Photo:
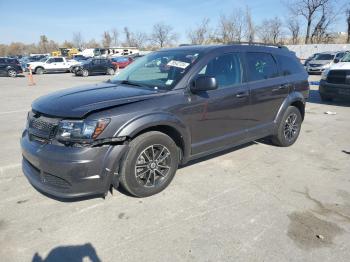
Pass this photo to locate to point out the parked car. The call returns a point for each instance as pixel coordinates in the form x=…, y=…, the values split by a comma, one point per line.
x=51, y=65
x=138, y=127
x=76, y=66
x=335, y=81
x=95, y=66
x=306, y=62
x=10, y=67
x=121, y=61
x=323, y=61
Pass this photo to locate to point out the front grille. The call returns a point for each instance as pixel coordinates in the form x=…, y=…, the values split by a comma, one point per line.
x=315, y=65
x=339, y=77
x=42, y=127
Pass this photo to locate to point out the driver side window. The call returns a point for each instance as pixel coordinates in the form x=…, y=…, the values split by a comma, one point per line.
x=226, y=69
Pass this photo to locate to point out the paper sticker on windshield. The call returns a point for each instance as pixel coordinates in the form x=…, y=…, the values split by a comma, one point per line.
x=169, y=82
x=178, y=64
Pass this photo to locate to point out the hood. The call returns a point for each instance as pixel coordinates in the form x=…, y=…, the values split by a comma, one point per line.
x=80, y=101
x=341, y=66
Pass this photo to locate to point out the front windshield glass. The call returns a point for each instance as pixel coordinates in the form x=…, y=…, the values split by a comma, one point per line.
x=346, y=58
x=161, y=69
x=324, y=57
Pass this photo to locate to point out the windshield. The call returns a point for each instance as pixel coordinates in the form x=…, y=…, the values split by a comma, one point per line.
x=162, y=69
x=324, y=57
x=346, y=58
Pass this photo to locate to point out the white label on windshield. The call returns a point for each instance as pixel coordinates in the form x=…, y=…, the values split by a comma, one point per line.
x=179, y=64
x=169, y=82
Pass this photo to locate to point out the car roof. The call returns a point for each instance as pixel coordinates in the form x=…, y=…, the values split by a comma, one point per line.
x=254, y=47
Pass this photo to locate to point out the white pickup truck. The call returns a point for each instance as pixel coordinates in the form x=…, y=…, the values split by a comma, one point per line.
x=52, y=64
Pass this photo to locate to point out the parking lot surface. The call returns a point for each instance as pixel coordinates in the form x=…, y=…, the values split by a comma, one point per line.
x=254, y=203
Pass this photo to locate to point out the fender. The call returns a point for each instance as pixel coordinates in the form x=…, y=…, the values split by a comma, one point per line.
x=290, y=99
x=138, y=124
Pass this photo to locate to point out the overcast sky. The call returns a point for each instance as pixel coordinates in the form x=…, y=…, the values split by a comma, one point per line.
x=25, y=21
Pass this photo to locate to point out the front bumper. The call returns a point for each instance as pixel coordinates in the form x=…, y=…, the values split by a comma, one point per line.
x=70, y=172
x=315, y=69
x=334, y=90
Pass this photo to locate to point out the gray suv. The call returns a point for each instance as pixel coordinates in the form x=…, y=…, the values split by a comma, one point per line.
x=323, y=61
x=137, y=128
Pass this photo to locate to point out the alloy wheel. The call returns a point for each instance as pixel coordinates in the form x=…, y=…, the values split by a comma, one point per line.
x=153, y=166
x=291, y=127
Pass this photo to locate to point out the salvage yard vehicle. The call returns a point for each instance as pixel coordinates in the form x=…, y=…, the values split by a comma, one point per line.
x=95, y=66
x=121, y=61
x=335, y=82
x=136, y=129
x=10, y=67
x=323, y=61
x=51, y=64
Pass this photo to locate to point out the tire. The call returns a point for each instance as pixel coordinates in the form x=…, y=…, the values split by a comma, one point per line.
x=325, y=98
x=110, y=71
x=12, y=73
x=85, y=73
x=39, y=71
x=150, y=177
x=288, y=128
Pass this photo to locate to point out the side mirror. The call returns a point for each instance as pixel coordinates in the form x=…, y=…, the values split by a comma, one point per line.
x=204, y=83
x=336, y=60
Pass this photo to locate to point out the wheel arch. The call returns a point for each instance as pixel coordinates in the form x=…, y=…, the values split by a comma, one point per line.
x=165, y=123
x=293, y=99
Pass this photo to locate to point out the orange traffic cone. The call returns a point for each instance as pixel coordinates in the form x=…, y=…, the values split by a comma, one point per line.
x=30, y=77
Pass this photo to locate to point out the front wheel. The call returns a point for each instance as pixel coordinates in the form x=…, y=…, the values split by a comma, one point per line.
x=85, y=73
x=110, y=71
x=11, y=73
x=150, y=164
x=289, y=128
x=39, y=71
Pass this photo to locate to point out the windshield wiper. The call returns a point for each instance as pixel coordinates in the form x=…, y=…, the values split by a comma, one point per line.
x=127, y=82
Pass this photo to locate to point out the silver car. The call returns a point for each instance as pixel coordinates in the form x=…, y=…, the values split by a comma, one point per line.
x=323, y=61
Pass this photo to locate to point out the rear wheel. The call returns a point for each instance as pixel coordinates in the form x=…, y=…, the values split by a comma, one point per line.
x=85, y=73
x=12, y=73
x=110, y=71
x=39, y=71
x=289, y=128
x=150, y=164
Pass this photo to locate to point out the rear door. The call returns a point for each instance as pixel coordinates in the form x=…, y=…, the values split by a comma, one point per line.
x=2, y=66
x=60, y=64
x=268, y=89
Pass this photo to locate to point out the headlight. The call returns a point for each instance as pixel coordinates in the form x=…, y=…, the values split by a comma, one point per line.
x=326, y=66
x=325, y=74
x=78, y=130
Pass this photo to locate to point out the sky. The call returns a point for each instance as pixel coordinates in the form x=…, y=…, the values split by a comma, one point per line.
x=25, y=21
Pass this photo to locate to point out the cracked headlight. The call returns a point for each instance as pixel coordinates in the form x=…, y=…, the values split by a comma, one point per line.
x=79, y=130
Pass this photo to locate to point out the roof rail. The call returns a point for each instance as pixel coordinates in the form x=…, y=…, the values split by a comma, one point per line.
x=258, y=43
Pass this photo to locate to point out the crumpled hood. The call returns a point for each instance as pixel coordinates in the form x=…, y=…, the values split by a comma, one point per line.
x=80, y=101
x=341, y=66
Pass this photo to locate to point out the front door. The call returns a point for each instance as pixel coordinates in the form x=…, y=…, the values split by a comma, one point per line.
x=218, y=117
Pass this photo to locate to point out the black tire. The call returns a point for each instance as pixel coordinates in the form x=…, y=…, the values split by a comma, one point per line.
x=39, y=71
x=325, y=97
x=110, y=71
x=11, y=73
x=288, y=129
x=145, y=180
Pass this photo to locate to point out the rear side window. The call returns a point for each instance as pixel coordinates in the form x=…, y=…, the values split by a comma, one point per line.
x=288, y=65
x=226, y=69
x=2, y=61
x=59, y=60
x=261, y=66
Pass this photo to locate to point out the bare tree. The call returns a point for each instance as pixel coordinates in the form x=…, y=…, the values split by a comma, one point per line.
x=231, y=28
x=163, y=35
x=92, y=44
x=201, y=34
x=128, y=37
x=43, y=44
x=106, y=39
x=271, y=30
x=250, y=27
x=115, y=35
x=320, y=31
x=309, y=10
x=348, y=23
x=139, y=39
x=78, y=40
x=294, y=28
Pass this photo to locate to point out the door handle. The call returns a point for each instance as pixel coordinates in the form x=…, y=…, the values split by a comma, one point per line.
x=281, y=87
x=242, y=94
